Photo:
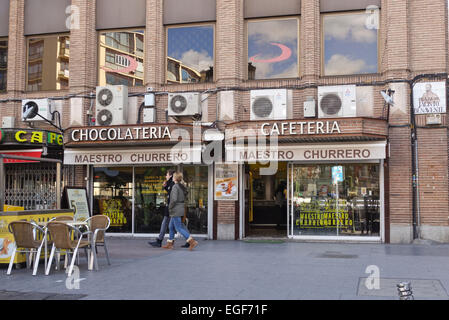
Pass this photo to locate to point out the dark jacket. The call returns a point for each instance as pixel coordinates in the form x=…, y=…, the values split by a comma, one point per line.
x=168, y=186
x=177, y=200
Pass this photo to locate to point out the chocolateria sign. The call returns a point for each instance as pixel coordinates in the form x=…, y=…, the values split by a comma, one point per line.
x=120, y=134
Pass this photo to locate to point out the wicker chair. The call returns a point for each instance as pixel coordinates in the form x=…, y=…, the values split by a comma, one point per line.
x=61, y=238
x=98, y=225
x=62, y=218
x=25, y=237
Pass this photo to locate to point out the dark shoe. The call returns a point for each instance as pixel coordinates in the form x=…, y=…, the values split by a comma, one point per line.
x=156, y=244
x=186, y=245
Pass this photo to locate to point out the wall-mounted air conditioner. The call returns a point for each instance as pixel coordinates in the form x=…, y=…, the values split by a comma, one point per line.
x=269, y=104
x=31, y=108
x=184, y=104
x=337, y=101
x=111, y=105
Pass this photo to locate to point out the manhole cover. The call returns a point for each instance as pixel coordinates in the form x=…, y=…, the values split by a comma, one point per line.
x=422, y=288
x=337, y=255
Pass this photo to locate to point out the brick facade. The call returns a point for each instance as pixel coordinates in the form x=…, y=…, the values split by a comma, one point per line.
x=413, y=40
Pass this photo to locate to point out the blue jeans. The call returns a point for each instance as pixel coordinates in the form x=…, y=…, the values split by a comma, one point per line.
x=164, y=225
x=177, y=225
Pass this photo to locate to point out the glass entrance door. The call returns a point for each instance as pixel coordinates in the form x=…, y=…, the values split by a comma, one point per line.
x=317, y=207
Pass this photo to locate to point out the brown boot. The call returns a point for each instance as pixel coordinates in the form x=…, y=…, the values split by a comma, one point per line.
x=192, y=242
x=169, y=244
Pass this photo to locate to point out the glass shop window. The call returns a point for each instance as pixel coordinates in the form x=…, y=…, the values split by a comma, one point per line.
x=196, y=180
x=273, y=49
x=3, y=63
x=190, y=54
x=121, y=58
x=350, y=44
x=315, y=207
x=150, y=198
x=113, y=189
x=48, y=63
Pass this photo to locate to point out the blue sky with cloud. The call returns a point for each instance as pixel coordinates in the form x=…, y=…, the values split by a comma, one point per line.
x=260, y=36
x=194, y=46
x=349, y=46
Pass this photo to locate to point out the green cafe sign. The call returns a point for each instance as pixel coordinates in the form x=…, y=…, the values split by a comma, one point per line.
x=31, y=137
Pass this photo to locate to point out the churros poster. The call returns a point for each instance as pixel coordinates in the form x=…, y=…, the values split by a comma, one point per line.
x=226, y=181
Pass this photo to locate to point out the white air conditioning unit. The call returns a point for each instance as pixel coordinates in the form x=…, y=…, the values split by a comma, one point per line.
x=31, y=109
x=337, y=101
x=111, y=105
x=184, y=104
x=269, y=104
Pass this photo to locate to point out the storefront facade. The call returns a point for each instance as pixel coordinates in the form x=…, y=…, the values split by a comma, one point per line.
x=29, y=184
x=126, y=184
x=228, y=54
x=287, y=189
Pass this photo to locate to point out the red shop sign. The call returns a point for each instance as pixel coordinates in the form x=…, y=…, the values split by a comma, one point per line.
x=32, y=154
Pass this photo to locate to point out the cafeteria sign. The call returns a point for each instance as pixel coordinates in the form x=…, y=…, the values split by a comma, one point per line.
x=226, y=181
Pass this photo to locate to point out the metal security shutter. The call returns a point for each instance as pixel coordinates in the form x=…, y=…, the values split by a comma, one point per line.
x=270, y=8
x=31, y=185
x=114, y=14
x=186, y=11
x=346, y=5
x=46, y=16
x=4, y=18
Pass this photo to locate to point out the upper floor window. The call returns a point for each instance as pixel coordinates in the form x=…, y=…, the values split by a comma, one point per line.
x=273, y=48
x=350, y=44
x=48, y=63
x=190, y=54
x=3, y=63
x=121, y=58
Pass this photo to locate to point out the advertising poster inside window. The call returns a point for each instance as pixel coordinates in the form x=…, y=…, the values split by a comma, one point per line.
x=226, y=182
x=429, y=97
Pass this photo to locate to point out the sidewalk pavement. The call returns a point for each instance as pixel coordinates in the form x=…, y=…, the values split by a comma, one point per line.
x=243, y=270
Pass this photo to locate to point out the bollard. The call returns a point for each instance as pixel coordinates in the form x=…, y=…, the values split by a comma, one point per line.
x=405, y=291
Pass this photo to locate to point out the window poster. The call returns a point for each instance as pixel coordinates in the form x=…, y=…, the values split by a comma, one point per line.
x=77, y=200
x=226, y=181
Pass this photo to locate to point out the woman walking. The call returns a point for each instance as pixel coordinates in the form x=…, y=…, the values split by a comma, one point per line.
x=176, y=210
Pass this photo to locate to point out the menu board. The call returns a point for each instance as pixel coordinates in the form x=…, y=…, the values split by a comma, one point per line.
x=76, y=199
x=226, y=182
